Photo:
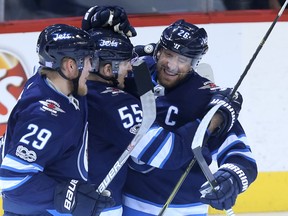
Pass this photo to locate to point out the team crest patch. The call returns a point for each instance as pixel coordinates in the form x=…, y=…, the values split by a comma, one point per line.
x=209, y=85
x=113, y=91
x=51, y=106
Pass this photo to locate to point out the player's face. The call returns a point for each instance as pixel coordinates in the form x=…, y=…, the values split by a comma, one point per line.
x=82, y=88
x=124, y=68
x=172, y=68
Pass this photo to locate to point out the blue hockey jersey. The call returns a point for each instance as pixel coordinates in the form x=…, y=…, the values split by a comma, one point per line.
x=44, y=145
x=114, y=117
x=149, y=183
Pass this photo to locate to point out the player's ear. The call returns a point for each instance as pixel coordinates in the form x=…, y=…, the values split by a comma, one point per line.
x=107, y=70
x=68, y=67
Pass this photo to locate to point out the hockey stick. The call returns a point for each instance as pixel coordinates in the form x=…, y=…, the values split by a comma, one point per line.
x=206, y=71
x=202, y=125
x=197, y=150
x=200, y=133
x=191, y=164
x=259, y=47
x=145, y=90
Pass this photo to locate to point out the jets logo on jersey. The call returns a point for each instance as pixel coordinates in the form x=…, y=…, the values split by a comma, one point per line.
x=51, y=106
x=209, y=85
x=113, y=91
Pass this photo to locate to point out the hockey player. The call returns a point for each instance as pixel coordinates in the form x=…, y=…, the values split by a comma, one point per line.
x=183, y=96
x=44, y=161
x=108, y=135
x=114, y=116
x=168, y=145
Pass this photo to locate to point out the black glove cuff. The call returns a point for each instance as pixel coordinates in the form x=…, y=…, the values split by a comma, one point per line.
x=65, y=196
x=79, y=198
x=239, y=175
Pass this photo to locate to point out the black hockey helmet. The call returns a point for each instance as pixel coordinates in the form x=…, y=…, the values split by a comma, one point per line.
x=60, y=40
x=112, y=46
x=185, y=39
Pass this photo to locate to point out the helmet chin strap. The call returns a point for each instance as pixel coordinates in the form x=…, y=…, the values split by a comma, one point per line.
x=111, y=79
x=76, y=84
x=75, y=81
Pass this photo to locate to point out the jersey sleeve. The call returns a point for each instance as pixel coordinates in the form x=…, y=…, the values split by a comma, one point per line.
x=233, y=148
x=33, y=144
x=164, y=148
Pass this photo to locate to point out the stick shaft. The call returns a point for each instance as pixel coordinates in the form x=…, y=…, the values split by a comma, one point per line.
x=145, y=89
x=259, y=48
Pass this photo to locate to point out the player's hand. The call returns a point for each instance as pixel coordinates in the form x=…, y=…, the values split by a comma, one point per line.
x=231, y=181
x=78, y=198
x=108, y=16
x=230, y=108
x=224, y=196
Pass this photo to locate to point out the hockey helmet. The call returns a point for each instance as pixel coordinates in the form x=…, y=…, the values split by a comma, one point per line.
x=112, y=46
x=185, y=39
x=60, y=40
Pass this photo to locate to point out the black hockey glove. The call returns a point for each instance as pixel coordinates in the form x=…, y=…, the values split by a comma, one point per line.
x=231, y=181
x=230, y=108
x=78, y=198
x=108, y=16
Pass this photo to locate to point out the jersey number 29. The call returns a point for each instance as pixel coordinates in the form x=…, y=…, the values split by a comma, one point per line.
x=42, y=136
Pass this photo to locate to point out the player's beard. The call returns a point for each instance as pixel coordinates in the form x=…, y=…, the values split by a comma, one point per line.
x=82, y=86
x=169, y=80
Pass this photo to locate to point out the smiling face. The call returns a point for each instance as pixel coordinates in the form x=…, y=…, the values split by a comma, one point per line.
x=172, y=67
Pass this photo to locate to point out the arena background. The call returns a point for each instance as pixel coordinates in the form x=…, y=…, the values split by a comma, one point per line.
x=233, y=38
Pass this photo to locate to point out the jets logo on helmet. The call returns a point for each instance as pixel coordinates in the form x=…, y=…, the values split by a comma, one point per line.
x=62, y=36
x=108, y=43
x=112, y=46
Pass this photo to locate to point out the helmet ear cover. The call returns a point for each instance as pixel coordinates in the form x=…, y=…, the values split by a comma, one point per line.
x=185, y=39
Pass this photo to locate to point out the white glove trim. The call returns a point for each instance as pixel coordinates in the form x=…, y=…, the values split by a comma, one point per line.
x=239, y=172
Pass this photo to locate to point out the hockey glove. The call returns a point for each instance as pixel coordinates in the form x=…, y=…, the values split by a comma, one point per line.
x=108, y=16
x=78, y=198
x=229, y=110
x=231, y=181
